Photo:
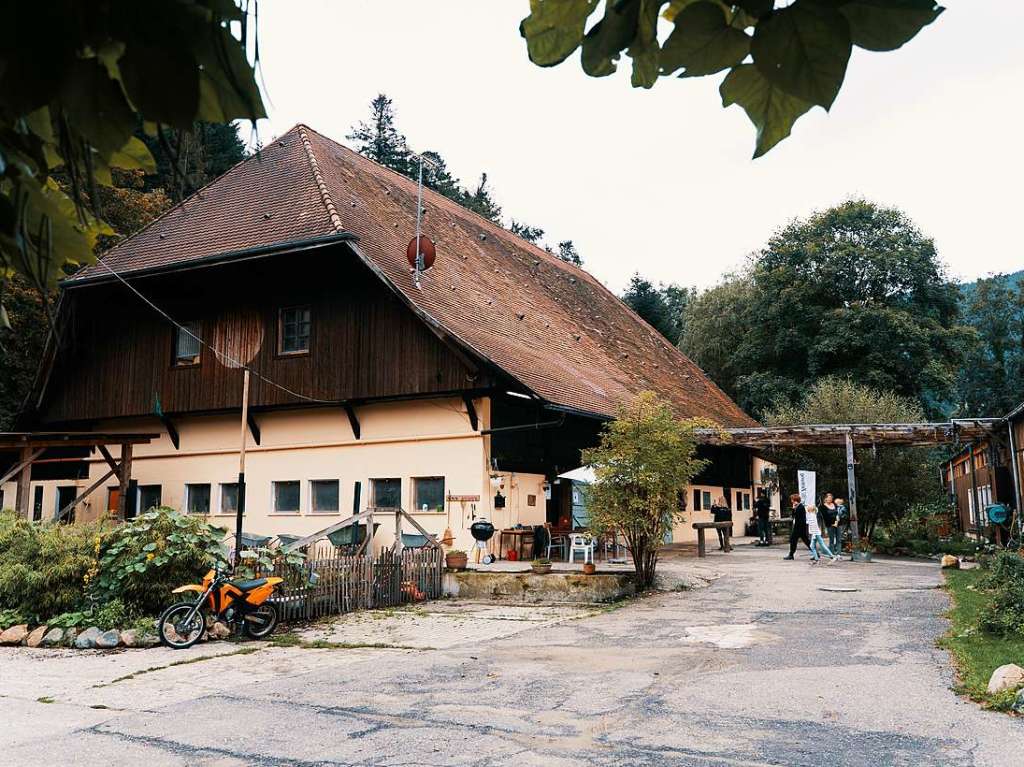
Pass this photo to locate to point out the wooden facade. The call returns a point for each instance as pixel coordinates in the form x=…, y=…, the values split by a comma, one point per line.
x=117, y=355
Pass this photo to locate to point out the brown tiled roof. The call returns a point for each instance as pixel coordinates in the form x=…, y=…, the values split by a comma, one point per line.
x=547, y=323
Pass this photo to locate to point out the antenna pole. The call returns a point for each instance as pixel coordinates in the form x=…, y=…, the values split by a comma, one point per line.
x=419, y=215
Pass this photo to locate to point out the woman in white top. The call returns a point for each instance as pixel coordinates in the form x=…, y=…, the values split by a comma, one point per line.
x=814, y=531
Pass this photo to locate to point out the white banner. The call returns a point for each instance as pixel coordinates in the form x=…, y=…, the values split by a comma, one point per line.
x=806, y=481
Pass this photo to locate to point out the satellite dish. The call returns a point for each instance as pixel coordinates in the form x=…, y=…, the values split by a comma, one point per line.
x=426, y=250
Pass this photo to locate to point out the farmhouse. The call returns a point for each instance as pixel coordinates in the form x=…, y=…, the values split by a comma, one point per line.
x=463, y=396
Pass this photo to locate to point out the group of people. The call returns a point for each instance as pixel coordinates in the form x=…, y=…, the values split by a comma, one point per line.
x=833, y=513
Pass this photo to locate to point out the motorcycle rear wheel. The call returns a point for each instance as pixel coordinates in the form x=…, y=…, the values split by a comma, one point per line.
x=172, y=631
x=261, y=622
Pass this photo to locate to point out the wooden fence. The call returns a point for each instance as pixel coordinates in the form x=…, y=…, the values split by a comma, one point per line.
x=340, y=584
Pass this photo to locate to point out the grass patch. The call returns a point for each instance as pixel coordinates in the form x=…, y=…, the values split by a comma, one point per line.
x=185, y=662
x=976, y=654
x=45, y=699
x=294, y=640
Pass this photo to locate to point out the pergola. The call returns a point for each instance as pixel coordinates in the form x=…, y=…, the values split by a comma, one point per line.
x=848, y=435
x=31, y=447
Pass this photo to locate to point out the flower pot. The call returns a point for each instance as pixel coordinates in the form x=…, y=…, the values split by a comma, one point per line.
x=541, y=569
x=589, y=568
x=456, y=561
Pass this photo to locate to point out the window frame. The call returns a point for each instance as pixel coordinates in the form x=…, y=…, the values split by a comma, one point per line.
x=273, y=497
x=312, y=497
x=196, y=327
x=220, y=499
x=188, y=498
x=373, y=491
x=38, y=497
x=415, y=487
x=281, y=352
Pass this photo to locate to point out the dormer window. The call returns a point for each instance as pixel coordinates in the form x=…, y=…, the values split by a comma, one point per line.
x=186, y=344
x=294, y=324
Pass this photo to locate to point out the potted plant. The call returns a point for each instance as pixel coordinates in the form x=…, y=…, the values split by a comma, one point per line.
x=862, y=551
x=541, y=566
x=589, y=568
x=456, y=559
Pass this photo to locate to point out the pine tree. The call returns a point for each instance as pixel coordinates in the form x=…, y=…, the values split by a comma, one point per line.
x=378, y=138
x=567, y=252
x=480, y=201
x=526, y=232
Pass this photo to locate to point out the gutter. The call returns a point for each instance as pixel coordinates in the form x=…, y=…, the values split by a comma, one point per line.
x=260, y=251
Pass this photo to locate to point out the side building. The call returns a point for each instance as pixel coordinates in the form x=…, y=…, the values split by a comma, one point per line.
x=460, y=396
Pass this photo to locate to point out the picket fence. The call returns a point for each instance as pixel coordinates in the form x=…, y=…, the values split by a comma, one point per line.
x=335, y=585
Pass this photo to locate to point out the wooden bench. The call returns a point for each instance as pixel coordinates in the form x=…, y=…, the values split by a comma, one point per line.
x=700, y=527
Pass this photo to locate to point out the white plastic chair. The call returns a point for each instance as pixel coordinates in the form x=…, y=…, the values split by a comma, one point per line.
x=583, y=544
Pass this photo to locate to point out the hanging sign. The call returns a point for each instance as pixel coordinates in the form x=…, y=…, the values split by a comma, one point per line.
x=807, y=481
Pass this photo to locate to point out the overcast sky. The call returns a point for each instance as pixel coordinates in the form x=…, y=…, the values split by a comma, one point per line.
x=660, y=181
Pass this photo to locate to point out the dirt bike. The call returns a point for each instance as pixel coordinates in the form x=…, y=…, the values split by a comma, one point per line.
x=241, y=604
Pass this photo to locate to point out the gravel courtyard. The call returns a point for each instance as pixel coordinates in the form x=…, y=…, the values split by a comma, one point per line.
x=761, y=667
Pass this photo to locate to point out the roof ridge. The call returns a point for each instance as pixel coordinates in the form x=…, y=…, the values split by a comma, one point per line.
x=325, y=195
x=560, y=262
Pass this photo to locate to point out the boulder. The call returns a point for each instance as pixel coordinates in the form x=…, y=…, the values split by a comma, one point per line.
x=87, y=639
x=36, y=637
x=950, y=562
x=108, y=639
x=219, y=631
x=133, y=638
x=53, y=637
x=14, y=635
x=69, y=637
x=1005, y=678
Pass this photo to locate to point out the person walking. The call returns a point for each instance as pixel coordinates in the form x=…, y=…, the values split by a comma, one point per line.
x=799, y=531
x=763, y=510
x=830, y=516
x=816, y=540
x=720, y=512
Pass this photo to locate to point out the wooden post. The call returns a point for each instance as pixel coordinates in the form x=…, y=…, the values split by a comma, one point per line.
x=398, y=532
x=240, y=511
x=1015, y=469
x=23, y=498
x=370, y=586
x=851, y=482
x=974, y=491
x=124, y=476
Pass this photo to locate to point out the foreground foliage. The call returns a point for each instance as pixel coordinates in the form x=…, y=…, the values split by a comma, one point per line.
x=643, y=464
x=781, y=59
x=976, y=652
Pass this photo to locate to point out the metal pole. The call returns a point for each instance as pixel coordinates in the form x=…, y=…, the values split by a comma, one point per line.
x=1015, y=463
x=851, y=481
x=241, y=468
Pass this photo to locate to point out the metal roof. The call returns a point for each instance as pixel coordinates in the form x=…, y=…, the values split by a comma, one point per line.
x=812, y=435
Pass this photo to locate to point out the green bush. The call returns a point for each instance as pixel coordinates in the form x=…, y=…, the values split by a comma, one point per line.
x=44, y=568
x=1004, y=581
x=143, y=560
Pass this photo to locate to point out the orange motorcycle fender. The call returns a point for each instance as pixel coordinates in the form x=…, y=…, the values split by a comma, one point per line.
x=190, y=587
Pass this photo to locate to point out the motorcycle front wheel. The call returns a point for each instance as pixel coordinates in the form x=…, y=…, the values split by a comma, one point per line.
x=175, y=628
x=259, y=623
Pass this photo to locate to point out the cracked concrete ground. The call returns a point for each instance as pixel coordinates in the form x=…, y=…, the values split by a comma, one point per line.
x=762, y=667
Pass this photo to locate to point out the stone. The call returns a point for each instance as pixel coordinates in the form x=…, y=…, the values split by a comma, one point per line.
x=1018, y=705
x=87, y=639
x=14, y=635
x=1005, y=678
x=69, y=637
x=950, y=562
x=133, y=638
x=108, y=639
x=36, y=637
x=53, y=637
x=219, y=631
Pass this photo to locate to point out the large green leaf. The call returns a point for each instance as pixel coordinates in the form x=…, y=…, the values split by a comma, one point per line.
x=95, y=106
x=703, y=42
x=554, y=29
x=227, y=80
x=604, y=43
x=772, y=111
x=162, y=80
x=645, y=50
x=756, y=8
x=884, y=25
x=134, y=155
x=804, y=49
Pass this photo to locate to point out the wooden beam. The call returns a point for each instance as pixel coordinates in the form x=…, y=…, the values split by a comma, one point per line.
x=471, y=410
x=110, y=459
x=254, y=428
x=24, y=483
x=64, y=512
x=172, y=432
x=352, y=419
x=21, y=464
x=432, y=540
x=325, y=532
x=124, y=476
x=851, y=481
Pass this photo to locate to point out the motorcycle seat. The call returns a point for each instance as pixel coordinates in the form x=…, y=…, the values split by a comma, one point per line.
x=248, y=585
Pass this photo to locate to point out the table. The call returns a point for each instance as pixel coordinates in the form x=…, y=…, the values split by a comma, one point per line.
x=700, y=527
x=520, y=537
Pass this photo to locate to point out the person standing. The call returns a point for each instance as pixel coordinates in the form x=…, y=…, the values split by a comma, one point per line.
x=720, y=512
x=816, y=540
x=842, y=520
x=799, y=531
x=830, y=516
x=763, y=510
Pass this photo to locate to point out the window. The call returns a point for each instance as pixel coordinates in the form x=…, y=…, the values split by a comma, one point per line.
x=149, y=497
x=65, y=495
x=197, y=499
x=37, y=503
x=739, y=501
x=286, y=497
x=186, y=344
x=228, y=497
x=746, y=501
x=323, y=496
x=428, y=494
x=387, y=493
x=696, y=500
x=1, y=498
x=706, y=499
x=293, y=330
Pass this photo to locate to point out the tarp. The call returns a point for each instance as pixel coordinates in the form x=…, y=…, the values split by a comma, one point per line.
x=582, y=474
